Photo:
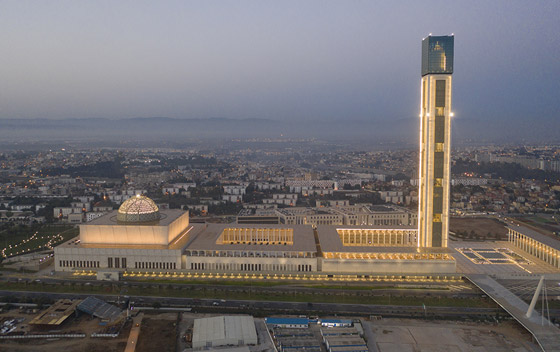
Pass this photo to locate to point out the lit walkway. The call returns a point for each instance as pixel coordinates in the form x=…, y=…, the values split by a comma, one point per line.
x=134, y=333
x=547, y=336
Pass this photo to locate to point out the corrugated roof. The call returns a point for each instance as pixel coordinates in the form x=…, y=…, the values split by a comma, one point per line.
x=99, y=308
x=231, y=328
x=286, y=321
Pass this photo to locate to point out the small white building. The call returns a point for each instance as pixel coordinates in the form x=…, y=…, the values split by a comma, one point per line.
x=235, y=189
x=232, y=198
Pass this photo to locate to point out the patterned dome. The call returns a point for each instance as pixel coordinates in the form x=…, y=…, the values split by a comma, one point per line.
x=138, y=209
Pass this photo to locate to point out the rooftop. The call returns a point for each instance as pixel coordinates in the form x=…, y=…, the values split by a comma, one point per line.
x=331, y=242
x=224, y=328
x=205, y=237
x=166, y=217
x=287, y=321
x=544, y=239
x=57, y=313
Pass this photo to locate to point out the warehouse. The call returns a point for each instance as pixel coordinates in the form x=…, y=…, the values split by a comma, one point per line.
x=224, y=331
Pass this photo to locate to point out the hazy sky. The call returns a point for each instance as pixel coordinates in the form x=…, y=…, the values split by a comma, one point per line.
x=319, y=60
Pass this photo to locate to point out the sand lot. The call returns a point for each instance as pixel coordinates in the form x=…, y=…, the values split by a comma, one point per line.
x=402, y=335
x=481, y=226
x=82, y=324
x=158, y=333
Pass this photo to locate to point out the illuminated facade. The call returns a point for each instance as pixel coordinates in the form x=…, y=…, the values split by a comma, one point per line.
x=545, y=248
x=138, y=235
x=435, y=141
x=172, y=244
x=141, y=239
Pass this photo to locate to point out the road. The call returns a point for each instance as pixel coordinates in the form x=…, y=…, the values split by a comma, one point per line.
x=280, y=307
x=439, y=288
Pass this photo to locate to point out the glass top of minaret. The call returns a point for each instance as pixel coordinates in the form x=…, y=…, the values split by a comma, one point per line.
x=437, y=55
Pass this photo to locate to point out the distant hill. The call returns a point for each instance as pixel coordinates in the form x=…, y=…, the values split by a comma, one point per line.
x=163, y=129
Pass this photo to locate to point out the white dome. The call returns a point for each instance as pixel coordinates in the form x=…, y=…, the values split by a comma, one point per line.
x=138, y=209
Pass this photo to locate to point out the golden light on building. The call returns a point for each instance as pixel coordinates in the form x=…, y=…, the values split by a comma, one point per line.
x=435, y=141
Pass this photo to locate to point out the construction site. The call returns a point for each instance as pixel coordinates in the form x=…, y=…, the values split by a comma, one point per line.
x=80, y=324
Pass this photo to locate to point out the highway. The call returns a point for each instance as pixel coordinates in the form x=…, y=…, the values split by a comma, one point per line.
x=280, y=307
x=400, y=288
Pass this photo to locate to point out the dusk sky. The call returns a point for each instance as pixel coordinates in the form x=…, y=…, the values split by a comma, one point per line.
x=282, y=60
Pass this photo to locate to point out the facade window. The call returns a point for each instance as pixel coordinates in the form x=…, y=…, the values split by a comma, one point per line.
x=109, y=262
x=123, y=263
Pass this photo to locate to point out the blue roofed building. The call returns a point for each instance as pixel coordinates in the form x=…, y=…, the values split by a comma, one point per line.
x=296, y=323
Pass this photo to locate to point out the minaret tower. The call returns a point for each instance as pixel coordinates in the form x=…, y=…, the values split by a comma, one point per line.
x=435, y=141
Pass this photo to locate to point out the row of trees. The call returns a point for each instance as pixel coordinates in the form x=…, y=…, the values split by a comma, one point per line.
x=506, y=171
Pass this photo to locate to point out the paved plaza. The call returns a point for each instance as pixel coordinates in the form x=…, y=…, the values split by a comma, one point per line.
x=497, y=258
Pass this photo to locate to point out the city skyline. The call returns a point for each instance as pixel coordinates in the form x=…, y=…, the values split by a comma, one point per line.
x=268, y=176
x=280, y=62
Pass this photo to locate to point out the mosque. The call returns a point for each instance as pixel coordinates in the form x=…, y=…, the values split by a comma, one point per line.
x=140, y=238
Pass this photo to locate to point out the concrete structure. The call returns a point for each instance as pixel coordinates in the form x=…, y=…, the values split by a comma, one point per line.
x=111, y=241
x=234, y=198
x=376, y=215
x=235, y=189
x=469, y=181
x=108, y=246
x=224, y=331
x=56, y=314
x=343, y=214
x=251, y=248
x=345, y=343
x=345, y=339
x=543, y=247
x=546, y=334
x=435, y=140
x=258, y=216
x=309, y=216
x=369, y=250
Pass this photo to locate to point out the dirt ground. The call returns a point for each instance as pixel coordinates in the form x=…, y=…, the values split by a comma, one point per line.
x=82, y=324
x=481, y=226
x=158, y=333
x=414, y=335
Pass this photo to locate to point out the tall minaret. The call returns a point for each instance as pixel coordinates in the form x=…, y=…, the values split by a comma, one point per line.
x=435, y=141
